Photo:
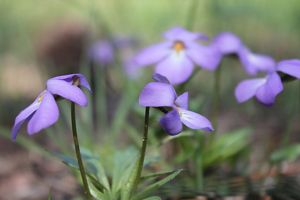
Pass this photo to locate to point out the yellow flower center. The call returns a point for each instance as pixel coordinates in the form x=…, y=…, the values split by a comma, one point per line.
x=178, y=46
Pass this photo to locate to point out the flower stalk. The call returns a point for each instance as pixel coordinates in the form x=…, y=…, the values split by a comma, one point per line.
x=78, y=154
x=137, y=170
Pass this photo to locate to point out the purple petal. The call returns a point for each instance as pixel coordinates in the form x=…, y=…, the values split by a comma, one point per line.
x=267, y=93
x=160, y=78
x=153, y=54
x=177, y=67
x=69, y=78
x=171, y=123
x=247, y=89
x=227, y=43
x=67, y=91
x=179, y=33
x=194, y=120
x=157, y=94
x=290, y=67
x=182, y=101
x=23, y=116
x=255, y=63
x=45, y=116
x=208, y=57
x=102, y=52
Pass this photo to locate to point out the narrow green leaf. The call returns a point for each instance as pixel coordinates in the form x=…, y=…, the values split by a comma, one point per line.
x=153, y=198
x=289, y=153
x=148, y=190
x=154, y=175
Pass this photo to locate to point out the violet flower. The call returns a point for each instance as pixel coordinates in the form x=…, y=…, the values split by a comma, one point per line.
x=102, y=52
x=66, y=86
x=41, y=114
x=266, y=89
x=162, y=94
x=175, y=58
x=228, y=43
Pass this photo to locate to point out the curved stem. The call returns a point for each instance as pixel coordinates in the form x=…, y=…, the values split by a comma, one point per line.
x=78, y=154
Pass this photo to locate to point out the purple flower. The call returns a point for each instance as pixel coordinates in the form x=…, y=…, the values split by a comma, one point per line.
x=266, y=89
x=175, y=58
x=228, y=43
x=102, y=52
x=41, y=114
x=66, y=86
x=162, y=94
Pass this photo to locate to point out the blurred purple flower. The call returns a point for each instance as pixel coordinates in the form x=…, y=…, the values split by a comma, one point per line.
x=162, y=94
x=266, y=89
x=41, y=114
x=228, y=43
x=102, y=52
x=67, y=86
x=175, y=58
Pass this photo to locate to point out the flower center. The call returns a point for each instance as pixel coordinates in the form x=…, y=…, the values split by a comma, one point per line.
x=40, y=98
x=178, y=46
x=76, y=81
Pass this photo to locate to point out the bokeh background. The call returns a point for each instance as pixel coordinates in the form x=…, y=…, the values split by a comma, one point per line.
x=40, y=39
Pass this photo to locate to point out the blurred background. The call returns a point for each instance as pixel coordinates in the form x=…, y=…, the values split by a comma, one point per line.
x=41, y=39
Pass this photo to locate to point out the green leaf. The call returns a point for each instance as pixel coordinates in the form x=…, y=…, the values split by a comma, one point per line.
x=225, y=147
x=155, y=175
x=289, y=153
x=153, y=198
x=149, y=189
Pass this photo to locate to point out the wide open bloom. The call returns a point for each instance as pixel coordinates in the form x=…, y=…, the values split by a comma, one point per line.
x=162, y=94
x=266, y=89
x=175, y=58
x=67, y=86
x=41, y=114
x=228, y=43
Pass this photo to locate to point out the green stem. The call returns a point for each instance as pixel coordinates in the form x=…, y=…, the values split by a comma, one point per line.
x=191, y=14
x=78, y=154
x=217, y=90
x=199, y=165
x=137, y=171
x=143, y=149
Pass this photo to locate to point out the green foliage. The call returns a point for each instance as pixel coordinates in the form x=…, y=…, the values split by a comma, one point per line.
x=288, y=153
x=225, y=147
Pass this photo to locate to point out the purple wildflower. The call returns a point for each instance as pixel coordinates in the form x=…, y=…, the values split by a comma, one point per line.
x=162, y=94
x=266, y=89
x=41, y=114
x=102, y=52
x=228, y=43
x=175, y=58
x=66, y=86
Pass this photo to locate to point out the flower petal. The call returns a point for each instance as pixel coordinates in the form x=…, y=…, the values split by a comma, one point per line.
x=227, y=43
x=207, y=57
x=160, y=78
x=153, y=54
x=157, y=94
x=194, y=120
x=247, y=89
x=290, y=67
x=267, y=93
x=179, y=33
x=177, y=67
x=255, y=63
x=171, y=123
x=69, y=78
x=182, y=101
x=22, y=117
x=67, y=91
x=46, y=115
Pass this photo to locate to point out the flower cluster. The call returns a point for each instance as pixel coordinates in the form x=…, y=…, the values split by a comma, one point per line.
x=43, y=112
x=176, y=57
